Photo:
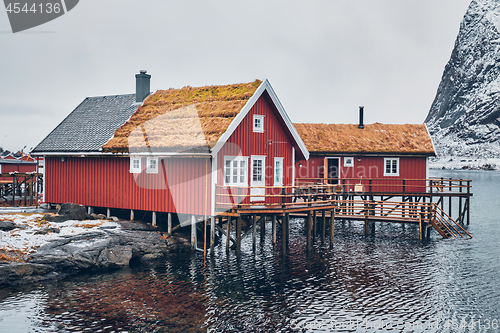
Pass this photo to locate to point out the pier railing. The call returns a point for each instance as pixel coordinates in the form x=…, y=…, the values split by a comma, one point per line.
x=396, y=185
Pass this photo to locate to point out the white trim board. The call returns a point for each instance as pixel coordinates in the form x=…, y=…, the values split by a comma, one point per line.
x=264, y=86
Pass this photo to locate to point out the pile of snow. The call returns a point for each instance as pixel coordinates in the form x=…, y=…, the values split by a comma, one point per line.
x=26, y=241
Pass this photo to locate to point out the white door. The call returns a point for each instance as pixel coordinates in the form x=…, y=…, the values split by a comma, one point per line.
x=258, y=177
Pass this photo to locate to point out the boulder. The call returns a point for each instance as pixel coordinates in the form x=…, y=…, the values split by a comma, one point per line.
x=47, y=231
x=69, y=211
x=8, y=225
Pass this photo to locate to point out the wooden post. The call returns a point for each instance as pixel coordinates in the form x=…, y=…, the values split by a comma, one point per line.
x=323, y=225
x=169, y=224
x=467, y=202
x=332, y=227
x=315, y=222
x=420, y=227
x=262, y=228
x=238, y=233
x=283, y=236
x=193, y=232
x=153, y=219
x=274, y=229
x=108, y=213
x=212, y=231
x=254, y=230
x=428, y=232
x=287, y=223
x=131, y=215
x=367, y=229
x=228, y=232
x=309, y=230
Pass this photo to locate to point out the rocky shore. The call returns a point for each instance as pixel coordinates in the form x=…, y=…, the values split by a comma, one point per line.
x=40, y=250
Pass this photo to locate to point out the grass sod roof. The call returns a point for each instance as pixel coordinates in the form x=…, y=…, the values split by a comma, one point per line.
x=182, y=120
x=374, y=138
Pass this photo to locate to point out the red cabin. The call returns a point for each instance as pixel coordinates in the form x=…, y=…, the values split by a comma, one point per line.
x=21, y=164
x=176, y=150
x=374, y=158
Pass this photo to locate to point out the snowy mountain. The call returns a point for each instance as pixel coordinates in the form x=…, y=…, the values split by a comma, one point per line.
x=464, y=119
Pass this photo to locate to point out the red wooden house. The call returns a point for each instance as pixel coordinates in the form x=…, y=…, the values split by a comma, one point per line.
x=20, y=164
x=172, y=151
x=377, y=158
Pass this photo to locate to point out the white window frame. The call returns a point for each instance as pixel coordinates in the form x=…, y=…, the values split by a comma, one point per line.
x=136, y=169
x=257, y=129
x=149, y=169
x=280, y=181
x=239, y=159
x=349, y=162
x=391, y=174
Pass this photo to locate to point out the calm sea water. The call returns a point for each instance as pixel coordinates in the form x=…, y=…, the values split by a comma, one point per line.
x=390, y=282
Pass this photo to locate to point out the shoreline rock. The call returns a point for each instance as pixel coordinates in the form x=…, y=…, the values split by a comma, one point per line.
x=96, y=250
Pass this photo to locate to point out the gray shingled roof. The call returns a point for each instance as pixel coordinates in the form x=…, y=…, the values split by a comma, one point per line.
x=90, y=125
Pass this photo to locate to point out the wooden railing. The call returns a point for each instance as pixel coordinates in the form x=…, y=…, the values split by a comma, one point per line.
x=396, y=185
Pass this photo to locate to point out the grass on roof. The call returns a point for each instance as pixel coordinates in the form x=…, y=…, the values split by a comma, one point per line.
x=348, y=138
x=201, y=116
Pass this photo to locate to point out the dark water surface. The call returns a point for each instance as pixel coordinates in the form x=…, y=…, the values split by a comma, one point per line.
x=362, y=284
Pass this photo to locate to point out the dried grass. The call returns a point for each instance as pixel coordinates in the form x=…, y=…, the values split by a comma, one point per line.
x=187, y=119
x=374, y=138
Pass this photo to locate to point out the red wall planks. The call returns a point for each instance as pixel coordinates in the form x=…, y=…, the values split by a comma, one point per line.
x=412, y=169
x=275, y=141
x=180, y=186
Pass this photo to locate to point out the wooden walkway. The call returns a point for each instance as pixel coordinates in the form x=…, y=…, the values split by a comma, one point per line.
x=322, y=202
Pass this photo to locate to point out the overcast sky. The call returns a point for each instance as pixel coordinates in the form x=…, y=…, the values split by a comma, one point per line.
x=323, y=58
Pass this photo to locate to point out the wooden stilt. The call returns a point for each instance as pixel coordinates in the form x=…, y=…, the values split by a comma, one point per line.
x=254, y=230
x=131, y=215
x=238, y=233
x=193, y=232
x=153, y=219
x=467, y=202
x=428, y=232
x=373, y=228
x=90, y=210
x=108, y=213
x=228, y=232
x=309, y=230
x=287, y=233
x=323, y=226
x=283, y=236
x=169, y=224
x=262, y=229
x=332, y=227
x=421, y=227
x=212, y=232
x=315, y=222
x=274, y=229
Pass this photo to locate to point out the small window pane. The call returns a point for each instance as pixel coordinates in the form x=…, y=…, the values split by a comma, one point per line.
x=242, y=172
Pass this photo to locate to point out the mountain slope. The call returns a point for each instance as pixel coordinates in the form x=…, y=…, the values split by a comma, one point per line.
x=464, y=119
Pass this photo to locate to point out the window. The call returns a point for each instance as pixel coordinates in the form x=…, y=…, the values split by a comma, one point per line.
x=257, y=170
x=135, y=165
x=235, y=171
x=391, y=167
x=258, y=123
x=348, y=161
x=278, y=171
x=152, y=165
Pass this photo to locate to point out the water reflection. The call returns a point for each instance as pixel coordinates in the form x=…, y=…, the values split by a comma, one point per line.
x=389, y=278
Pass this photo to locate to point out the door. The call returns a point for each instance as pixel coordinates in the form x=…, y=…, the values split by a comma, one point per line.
x=333, y=170
x=258, y=177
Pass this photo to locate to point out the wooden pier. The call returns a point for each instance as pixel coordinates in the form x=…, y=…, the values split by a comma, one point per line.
x=322, y=201
x=20, y=189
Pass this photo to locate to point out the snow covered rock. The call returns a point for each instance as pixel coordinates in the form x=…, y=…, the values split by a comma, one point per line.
x=464, y=119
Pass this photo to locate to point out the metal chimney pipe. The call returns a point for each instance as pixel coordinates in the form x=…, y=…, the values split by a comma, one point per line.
x=361, y=111
x=142, y=86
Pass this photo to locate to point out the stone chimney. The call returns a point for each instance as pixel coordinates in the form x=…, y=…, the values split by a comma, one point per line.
x=142, y=86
